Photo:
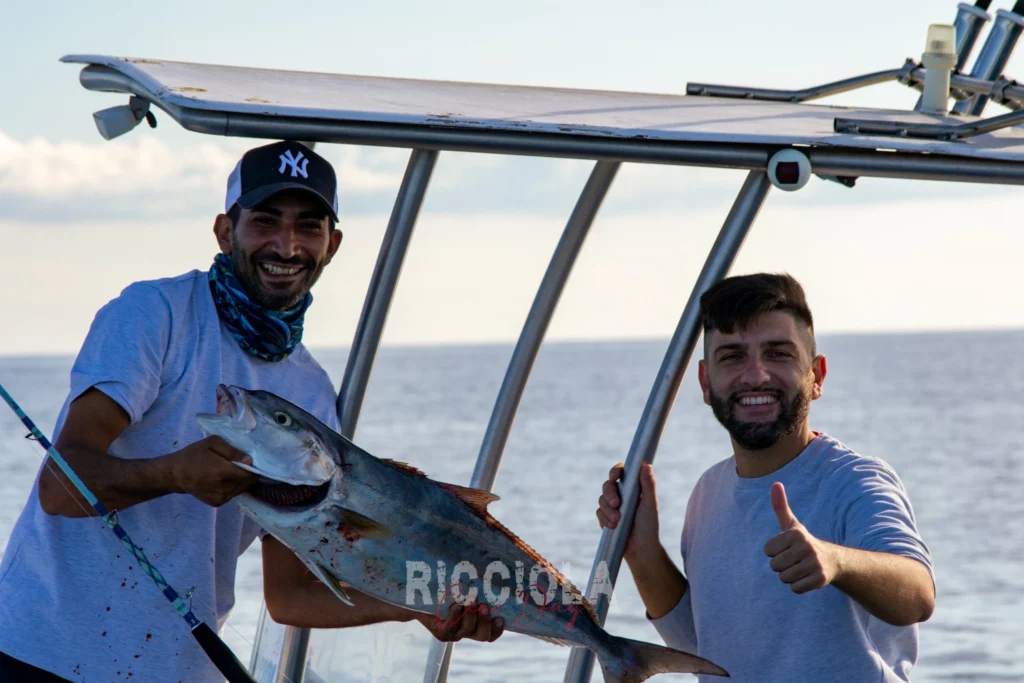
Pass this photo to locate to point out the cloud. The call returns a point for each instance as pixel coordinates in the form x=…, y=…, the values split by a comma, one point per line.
x=143, y=177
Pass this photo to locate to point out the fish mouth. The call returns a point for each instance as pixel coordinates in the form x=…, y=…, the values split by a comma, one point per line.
x=283, y=495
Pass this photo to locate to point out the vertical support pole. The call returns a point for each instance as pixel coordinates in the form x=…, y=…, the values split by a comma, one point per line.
x=382, y=288
x=519, y=367
x=364, y=347
x=645, y=442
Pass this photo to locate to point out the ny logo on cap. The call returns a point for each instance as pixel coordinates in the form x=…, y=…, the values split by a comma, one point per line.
x=287, y=159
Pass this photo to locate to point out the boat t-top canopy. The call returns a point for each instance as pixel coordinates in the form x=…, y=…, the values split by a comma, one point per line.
x=714, y=131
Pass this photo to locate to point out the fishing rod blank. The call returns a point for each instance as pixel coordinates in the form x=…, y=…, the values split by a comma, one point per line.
x=216, y=649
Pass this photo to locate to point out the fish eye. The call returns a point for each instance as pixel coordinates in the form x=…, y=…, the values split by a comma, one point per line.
x=283, y=419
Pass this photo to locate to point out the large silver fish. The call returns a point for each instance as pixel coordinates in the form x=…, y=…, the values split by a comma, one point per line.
x=385, y=529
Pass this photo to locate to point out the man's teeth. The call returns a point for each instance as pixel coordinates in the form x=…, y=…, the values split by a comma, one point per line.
x=757, y=400
x=279, y=270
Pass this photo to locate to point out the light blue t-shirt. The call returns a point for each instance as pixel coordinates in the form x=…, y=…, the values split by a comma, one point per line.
x=72, y=600
x=737, y=613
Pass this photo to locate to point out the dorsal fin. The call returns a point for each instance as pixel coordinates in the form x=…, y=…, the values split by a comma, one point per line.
x=533, y=554
x=404, y=466
x=478, y=499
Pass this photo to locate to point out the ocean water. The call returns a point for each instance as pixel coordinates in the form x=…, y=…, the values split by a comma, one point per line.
x=946, y=410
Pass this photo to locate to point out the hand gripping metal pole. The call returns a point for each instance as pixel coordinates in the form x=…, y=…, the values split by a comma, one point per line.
x=519, y=367
x=645, y=443
x=364, y=347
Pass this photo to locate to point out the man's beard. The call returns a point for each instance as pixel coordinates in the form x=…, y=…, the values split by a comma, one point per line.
x=756, y=436
x=247, y=271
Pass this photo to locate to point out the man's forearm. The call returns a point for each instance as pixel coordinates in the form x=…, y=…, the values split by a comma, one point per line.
x=660, y=583
x=896, y=589
x=116, y=482
x=310, y=604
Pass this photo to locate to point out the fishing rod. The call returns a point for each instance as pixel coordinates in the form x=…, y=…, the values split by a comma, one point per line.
x=216, y=649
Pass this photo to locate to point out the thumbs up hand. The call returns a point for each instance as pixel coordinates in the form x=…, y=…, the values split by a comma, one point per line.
x=800, y=559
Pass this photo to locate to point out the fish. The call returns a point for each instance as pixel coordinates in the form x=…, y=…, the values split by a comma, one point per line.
x=385, y=529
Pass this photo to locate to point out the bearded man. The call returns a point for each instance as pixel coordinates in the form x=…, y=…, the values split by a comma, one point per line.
x=69, y=608
x=802, y=557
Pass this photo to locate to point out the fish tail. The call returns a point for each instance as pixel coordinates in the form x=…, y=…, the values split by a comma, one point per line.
x=632, y=661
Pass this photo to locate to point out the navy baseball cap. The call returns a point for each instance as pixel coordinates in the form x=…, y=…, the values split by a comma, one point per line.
x=265, y=171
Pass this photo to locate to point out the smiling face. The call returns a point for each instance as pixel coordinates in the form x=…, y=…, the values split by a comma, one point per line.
x=760, y=380
x=279, y=247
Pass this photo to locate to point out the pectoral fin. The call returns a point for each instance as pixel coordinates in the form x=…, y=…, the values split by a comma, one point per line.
x=328, y=580
x=364, y=527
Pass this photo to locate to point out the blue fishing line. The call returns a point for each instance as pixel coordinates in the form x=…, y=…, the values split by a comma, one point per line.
x=108, y=517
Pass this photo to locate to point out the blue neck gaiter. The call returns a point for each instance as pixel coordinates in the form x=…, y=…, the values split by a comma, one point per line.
x=268, y=335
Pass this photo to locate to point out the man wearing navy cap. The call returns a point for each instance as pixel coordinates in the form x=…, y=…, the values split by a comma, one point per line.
x=73, y=606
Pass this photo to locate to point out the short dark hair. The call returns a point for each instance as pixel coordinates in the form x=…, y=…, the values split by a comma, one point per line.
x=235, y=212
x=736, y=302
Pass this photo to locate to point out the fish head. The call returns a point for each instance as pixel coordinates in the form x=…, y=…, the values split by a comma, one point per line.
x=286, y=443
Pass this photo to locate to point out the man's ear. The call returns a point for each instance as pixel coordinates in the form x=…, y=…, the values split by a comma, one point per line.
x=702, y=377
x=333, y=242
x=222, y=227
x=819, y=368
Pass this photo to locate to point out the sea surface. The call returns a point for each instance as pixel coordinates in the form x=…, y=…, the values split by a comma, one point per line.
x=945, y=409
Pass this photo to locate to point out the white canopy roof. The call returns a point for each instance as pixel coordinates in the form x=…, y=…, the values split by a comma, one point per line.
x=440, y=105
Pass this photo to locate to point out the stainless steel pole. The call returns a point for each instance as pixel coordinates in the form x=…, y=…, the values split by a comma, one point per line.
x=519, y=367
x=999, y=44
x=382, y=288
x=364, y=347
x=645, y=443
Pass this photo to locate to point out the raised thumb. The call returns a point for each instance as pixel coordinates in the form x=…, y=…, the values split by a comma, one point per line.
x=787, y=520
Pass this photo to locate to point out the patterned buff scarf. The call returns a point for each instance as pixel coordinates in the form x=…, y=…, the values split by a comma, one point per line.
x=270, y=335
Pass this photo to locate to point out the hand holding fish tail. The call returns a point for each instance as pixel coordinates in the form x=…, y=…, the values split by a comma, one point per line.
x=802, y=561
x=470, y=621
x=204, y=470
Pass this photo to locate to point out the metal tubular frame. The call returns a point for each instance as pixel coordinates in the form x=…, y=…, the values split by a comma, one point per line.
x=995, y=53
x=524, y=355
x=382, y=286
x=744, y=210
x=805, y=95
x=361, y=356
x=969, y=22
x=928, y=130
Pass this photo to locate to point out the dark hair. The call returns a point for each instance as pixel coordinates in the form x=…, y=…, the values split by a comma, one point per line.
x=736, y=302
x=236, y=211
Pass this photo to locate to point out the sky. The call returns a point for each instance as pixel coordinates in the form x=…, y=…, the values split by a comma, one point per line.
x=81, y=218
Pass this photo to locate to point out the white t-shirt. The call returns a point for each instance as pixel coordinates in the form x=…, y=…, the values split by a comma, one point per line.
x=737, y=613
x=72, y=600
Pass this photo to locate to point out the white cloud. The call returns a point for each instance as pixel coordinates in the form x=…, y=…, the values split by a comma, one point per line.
x=137, y=164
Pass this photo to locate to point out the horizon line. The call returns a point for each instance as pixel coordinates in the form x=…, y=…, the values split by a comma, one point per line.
x=315, y=348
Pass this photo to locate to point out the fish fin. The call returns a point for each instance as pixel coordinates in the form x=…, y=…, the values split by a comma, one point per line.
x=404, y=466
x=333, y=584
x=550, y=639
x=637, y=661
x=574, y=593
x=363, y=526
x=478, y=499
